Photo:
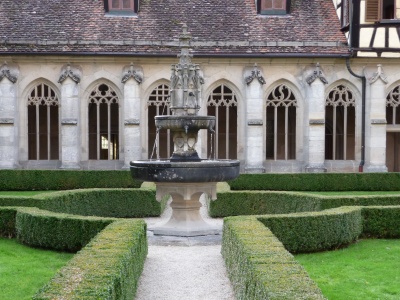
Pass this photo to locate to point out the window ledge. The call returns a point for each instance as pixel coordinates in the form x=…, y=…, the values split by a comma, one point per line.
x=390, y=21
x=123, y=14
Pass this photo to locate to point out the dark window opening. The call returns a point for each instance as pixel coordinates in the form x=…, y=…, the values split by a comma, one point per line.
x=121, y=7
x=273, y=7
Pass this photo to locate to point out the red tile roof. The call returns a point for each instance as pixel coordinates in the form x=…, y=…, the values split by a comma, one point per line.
x=223, y=27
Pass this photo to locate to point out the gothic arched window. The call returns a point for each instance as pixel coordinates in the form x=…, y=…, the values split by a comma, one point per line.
x=340, y=124
x=222, y=103
x=103, y=123
x=159, y=145
x=393, y=130
x=43, y=123
x=281, y=124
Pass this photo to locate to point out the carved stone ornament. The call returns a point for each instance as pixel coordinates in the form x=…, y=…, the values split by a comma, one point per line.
x=316, y=74
x=71, y=74
x=255, y=73
x=131, y=73
x=5, y=72
x=378, y=74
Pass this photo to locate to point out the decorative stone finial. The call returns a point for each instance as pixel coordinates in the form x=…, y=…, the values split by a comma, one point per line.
x=71, y=73
x=378, y=74
x=186, y=80
x=316, y=74
x=255, y=73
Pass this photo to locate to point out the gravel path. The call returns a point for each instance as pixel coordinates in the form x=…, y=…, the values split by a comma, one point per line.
x=190, y=268
x=184, y=272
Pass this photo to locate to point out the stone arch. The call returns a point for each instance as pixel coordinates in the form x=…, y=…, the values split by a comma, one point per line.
x=25, y=121
x=155, y=96
x=342, y=120
x=104, y=142
x=282, y=136
x=229, y=112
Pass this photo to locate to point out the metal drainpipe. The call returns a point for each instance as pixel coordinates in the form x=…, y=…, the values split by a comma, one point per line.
x=363, y=88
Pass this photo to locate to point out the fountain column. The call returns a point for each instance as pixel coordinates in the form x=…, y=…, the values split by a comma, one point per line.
x=8, y=100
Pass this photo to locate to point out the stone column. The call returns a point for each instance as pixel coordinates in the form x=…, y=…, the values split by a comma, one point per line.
x=375, y=124
x=8, y=100
x=70, y=133
x=132, y=77
x=254, y=127
x=314, y=120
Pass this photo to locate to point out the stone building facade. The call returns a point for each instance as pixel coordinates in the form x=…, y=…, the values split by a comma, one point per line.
x=289, y=95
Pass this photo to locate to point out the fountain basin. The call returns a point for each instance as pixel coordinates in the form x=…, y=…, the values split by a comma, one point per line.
x=183, y=172
x=182, y=123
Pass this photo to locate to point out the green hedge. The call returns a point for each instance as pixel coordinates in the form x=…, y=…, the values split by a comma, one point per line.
x=118, y=203
x=7, y=221
x=235, y=203
x=109, y=267
x=318, y=182
x=258, y=265
x=316, y=231
x=62, y=232
x=381, y=222
x=42, y=180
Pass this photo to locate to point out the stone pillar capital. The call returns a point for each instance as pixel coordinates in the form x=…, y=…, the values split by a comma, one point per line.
x=133, y=72
x=379, y=74
x=255, y=73
x=316, y=73
x=8, y=72
x=70, y=72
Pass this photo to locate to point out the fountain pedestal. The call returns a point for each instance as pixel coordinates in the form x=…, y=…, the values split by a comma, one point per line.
x=186, y=219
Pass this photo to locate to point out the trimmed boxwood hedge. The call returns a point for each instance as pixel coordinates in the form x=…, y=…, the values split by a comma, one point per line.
x=258, y=265
x=260, y=268
x=381, y=221
x=42, y=180
x=235, y=203
x=118, y=203
x=109, y=267
x=318, y=182
x=110, y=260
x=316, y=231
x=62, y=232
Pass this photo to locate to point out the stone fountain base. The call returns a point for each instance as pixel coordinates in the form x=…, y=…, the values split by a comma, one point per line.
x=186, y=220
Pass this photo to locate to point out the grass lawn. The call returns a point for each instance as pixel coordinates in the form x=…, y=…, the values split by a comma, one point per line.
x=24, y=270
x=368, y=269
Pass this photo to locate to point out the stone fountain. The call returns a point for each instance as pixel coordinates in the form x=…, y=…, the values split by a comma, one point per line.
x=185, y=176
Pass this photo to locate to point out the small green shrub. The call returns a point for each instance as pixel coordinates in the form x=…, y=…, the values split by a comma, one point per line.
x=109, y=267
x=26, y=180
x=318, y=182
